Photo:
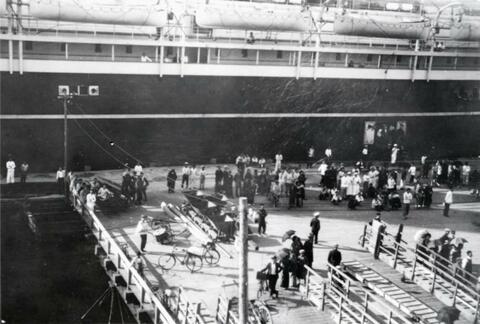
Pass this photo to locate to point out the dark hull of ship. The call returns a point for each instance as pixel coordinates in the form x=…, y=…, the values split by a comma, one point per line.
x=199, y=140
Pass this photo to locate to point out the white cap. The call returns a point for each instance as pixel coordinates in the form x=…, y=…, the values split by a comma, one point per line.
x=315, y=214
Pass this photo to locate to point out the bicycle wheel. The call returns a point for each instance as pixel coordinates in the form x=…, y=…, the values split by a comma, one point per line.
x=193, y=262
x=264, y=315
x=211, y=256
x=166, y=262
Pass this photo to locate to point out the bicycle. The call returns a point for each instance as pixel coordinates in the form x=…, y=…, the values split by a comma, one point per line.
x=192, y=260
x=260, y=311
x=210, y=253
x=163, y=231
x=262, y=284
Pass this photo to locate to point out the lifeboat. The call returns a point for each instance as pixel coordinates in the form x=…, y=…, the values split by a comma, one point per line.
x=254, y=16
x=466, y=31
x=144, y=13
x=381, y=26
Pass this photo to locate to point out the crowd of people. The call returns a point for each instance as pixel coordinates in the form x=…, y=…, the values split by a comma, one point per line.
x=291, y=260
x=449, y=247
x=134, y=185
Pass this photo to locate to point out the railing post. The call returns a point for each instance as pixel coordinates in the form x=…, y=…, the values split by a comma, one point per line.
x=434, y=277
x=227, y=316
x=366, y=309
x=197, y=313
x=340, y=306
x=390, y=314
x=455, y=294
x=414, y=263
x=185, y=316
x=324, y=288
x=395, y=257
x=177, y=309
x=477, y=310
x=364, y=235
x=307, y=284
x=347, y=288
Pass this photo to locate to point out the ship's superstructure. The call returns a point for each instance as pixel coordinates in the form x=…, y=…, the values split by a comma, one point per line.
x=251, y=68
x=391, y=40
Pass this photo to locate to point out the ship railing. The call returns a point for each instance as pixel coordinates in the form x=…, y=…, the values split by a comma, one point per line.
x=136, y=284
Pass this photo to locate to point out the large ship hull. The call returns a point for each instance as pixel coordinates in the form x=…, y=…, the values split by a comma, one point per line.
x=169, y=120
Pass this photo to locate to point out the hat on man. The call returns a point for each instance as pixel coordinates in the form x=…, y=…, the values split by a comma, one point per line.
x=144, y=216
x=316, y=214
x=186, y=163
x=274, y=256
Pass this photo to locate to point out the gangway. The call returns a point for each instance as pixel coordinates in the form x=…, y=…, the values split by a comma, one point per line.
x=396, y=296
x=348, y=301
x=430, y=271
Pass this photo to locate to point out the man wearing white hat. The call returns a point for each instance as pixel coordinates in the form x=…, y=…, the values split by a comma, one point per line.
x=142, y=229
x=315, y=225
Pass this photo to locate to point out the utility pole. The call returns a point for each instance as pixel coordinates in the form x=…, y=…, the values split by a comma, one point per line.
x=65, y=142
x=65, y=97
x=243, y=266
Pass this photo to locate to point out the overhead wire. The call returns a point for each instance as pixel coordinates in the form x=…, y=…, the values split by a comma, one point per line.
x=98, y=144
x=78, y=106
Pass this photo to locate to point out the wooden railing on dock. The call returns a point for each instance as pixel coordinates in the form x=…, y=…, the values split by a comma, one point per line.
x=440, y=272
x=135, y=284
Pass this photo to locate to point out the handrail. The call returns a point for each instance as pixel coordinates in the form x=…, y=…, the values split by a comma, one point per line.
x=363, y=312
x=229, y=45
x=451, y=266
x=369, y=296
x=133, y=277
x=458, y=285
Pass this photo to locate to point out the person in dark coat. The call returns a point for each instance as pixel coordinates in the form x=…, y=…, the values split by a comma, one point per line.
x=126, y=178
x=308, y=247
x=237, y=178
x=218, y=179
x=300, y=193
x=296, y=246
x=315, y=226
x=301, y=271
x=171, y=178
x=272, y=270
x=228, y=183
x=143, y=186
x=292, y=196
x=335, y=256
x=262, y=224
x=302, y=179
x=287, y=268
